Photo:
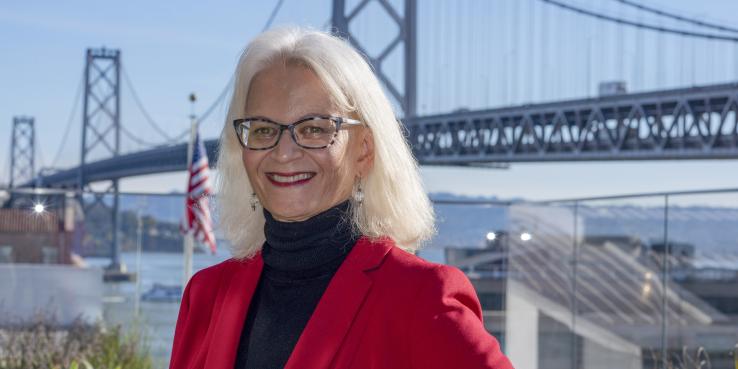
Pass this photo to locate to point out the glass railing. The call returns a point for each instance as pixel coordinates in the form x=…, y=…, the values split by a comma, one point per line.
x=648, y=281
x=55, y=246
x=626, y=282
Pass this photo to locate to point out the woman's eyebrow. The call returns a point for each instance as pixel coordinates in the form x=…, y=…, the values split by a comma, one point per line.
x=309, y=110
x=257, y=116
x=311, y=113
x=314, y=114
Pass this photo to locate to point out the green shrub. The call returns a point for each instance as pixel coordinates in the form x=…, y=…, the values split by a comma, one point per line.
x=43, y=344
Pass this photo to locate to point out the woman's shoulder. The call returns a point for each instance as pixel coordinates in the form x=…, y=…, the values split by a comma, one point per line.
x=411, y=262
x=210, y=276
x=401, y=265
x=427, y=288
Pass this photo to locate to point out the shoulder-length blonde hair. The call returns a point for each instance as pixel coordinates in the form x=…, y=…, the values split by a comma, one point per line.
x=395, y=204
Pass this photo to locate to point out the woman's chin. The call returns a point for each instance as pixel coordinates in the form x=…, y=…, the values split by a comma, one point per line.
x=291, y=212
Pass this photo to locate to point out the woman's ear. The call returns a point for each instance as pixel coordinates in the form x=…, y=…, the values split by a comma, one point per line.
x=365, y=159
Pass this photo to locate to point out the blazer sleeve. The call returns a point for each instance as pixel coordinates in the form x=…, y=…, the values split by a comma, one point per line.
x=447, y=330
x=195, y=311
x=179, y=346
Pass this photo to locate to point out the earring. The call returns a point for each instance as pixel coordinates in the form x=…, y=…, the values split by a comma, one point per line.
x=254, y=201
x=358, y=194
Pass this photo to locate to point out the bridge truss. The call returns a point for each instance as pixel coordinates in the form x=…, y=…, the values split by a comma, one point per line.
x=690, y=123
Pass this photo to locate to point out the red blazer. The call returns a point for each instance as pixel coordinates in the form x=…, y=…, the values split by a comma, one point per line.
x=384, y=308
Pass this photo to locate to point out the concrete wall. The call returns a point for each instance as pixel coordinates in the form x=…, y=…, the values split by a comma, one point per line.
x=521, y=332
x=66, y=291
x=596, y=356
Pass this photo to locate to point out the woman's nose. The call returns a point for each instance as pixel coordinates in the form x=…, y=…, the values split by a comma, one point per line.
x=286, y=148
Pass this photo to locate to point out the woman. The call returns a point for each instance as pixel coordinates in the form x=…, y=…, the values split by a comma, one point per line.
x=321, y=199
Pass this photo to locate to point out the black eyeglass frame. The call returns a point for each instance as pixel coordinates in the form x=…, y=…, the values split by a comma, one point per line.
x=338, y=121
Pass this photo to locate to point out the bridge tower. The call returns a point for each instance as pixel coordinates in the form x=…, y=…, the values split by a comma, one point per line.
x=405, y=93
x=101, y=131
x=22, y=148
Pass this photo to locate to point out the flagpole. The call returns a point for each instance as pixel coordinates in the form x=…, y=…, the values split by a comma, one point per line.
x=189, y=239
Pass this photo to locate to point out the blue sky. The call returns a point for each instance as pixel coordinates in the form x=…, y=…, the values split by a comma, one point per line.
x=171, y=49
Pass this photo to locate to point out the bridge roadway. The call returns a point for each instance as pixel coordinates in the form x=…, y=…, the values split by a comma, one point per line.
x=157, y=160
x=688, y=123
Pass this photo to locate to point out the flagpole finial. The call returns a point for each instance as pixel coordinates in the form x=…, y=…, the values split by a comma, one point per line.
x=193, y=99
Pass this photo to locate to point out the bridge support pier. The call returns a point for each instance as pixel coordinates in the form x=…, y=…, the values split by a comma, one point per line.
x=403, y=93
x=101, y=132
x=22, y=149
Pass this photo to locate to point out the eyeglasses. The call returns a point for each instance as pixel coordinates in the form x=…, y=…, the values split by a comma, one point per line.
x=313, y=132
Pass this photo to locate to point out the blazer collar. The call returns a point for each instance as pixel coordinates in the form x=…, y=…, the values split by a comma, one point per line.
x=329, y=323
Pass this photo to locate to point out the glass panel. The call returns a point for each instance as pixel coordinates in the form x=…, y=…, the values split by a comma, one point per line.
x=703, y=279
x=150, y=223
x=619, y=291
x=76, y=237
x=540, y=283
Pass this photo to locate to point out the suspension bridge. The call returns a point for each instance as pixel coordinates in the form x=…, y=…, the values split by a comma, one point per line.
x=463, y=95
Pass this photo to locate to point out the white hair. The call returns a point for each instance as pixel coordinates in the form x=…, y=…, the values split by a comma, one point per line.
x=395, y=203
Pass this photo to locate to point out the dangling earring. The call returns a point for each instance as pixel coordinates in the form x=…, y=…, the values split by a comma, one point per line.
x=358, y=194
x=254, y=201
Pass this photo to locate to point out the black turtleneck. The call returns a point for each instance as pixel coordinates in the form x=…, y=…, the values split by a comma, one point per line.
x=300, y=258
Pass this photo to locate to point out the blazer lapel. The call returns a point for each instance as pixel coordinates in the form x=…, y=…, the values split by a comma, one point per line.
x=332, y=318
x=227, y=333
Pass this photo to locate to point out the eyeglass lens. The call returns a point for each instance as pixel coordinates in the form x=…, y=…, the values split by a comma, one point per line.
x=315, y=133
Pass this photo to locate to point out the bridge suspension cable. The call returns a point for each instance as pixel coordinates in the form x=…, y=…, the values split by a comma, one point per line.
x=145, y=112
x=41, y=159
x=6, y=170
x=676, y=31
x=72, y=115
x=215, y=103
x=138, y=140
x=229, y=85
x=678, y=17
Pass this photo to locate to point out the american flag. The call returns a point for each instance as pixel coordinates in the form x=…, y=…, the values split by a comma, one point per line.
x=197, y=213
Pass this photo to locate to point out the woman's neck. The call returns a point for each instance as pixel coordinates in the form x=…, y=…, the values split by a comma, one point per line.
x=311, y=247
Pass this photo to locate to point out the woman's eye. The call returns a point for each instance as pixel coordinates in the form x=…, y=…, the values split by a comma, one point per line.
x=263, y=131
x=313, y=130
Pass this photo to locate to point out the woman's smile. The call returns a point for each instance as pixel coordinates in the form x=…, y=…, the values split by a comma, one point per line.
x=289, y=179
